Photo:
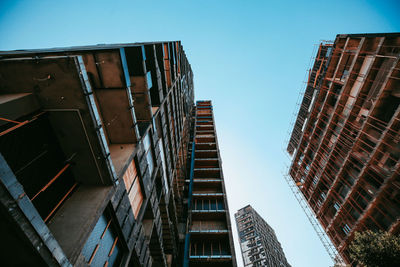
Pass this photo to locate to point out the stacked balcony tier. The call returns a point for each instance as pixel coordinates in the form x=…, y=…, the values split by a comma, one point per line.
x=210, y=243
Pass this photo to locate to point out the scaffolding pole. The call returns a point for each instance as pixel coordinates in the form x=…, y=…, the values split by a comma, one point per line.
x=330, y=248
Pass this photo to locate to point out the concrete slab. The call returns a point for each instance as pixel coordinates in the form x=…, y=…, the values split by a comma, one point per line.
x=117, y=118
x=74, y=222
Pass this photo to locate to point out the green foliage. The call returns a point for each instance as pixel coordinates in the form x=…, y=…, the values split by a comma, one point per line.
x=375, y=249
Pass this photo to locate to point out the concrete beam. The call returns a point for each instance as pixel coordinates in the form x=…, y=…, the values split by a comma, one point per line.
x=14, y=106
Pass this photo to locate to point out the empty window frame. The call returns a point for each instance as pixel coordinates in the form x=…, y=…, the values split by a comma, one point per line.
x=133, y=187
x=164, y=166
x=161, y=144
x=346, y=228
x=209, y=204
x=149, y=81
x=148, y=151
x=209, y=248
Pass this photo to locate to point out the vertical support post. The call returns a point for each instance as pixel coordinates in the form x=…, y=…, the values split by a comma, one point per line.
x=128, y=90
x=191, y=173
x=187, y=238
x=186, y=256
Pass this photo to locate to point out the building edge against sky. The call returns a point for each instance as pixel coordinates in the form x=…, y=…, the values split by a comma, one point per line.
x=345, y=144
x=209, y=227
x=96, y=159
x=258, y=242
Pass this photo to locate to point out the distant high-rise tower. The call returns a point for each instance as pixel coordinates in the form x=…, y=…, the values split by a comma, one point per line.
x=258, y=241
x=345, y=145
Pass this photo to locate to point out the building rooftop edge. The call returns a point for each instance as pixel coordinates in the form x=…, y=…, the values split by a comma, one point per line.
x=368, y=34
x=82, y=47
x=247, y=206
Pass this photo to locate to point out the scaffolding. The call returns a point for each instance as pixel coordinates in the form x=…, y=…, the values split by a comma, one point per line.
x=345, y=163
x=311, y=216
x=293, y=143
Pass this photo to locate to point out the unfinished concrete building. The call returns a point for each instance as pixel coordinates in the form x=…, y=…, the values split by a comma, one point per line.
x=258, y=242
x=95, y=147
x=209, y=239
x=345, y=144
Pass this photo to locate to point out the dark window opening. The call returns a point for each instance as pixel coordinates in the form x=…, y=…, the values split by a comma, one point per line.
x=39, y=164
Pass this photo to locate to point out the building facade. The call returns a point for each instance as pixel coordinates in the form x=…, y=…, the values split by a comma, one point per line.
x=95, y=161
x=258, y=242
x=209, y=239
x=345, y=144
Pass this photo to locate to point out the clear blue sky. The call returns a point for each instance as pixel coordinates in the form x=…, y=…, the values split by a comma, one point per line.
x=248, y=57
